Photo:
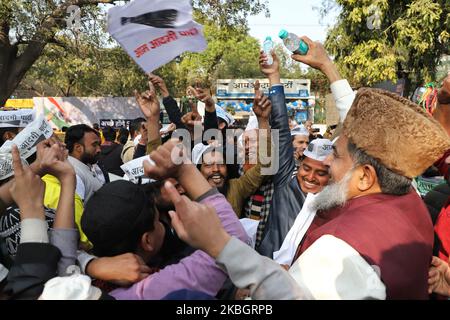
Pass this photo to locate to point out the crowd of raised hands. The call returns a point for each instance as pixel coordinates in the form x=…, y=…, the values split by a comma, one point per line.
x=196, y=223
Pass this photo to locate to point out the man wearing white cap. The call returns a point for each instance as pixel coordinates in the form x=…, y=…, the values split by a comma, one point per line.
x=210, y=162
x=312, y=176
x=289, y=192
x=300, y=140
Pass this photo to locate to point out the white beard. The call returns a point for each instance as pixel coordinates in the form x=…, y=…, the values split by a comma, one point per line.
x=333, y=195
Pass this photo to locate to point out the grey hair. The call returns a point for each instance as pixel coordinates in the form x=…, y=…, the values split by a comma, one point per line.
x=389, y=181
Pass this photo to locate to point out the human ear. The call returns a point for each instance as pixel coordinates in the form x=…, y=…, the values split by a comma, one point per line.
x=367, y=178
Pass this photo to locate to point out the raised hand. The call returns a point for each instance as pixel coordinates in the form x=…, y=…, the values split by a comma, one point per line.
x=27, y=189
x=148, y=102
x=54, y=161
x=42, y=148
x=272, y=69
x=262, y=106
x=317, y=58
x=439, y=277
x=192, y=118
x=159, y=83
x=197, y=224
x=201, y=94
x=168, y=160
x=144, y=135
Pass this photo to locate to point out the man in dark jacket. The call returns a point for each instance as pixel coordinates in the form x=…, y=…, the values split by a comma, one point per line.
x=110, y=152
x=290, y=192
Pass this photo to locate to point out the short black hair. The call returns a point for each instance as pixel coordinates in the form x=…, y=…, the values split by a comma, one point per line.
x=75, y=134
x=64, y=129
x=135, y=125
x=116, y=216
x=109, y=133
x=123, y=135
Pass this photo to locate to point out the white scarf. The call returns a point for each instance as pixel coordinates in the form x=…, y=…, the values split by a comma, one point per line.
x=295, y=235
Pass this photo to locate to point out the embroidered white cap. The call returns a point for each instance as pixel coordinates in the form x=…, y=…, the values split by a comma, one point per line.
x=319, y=149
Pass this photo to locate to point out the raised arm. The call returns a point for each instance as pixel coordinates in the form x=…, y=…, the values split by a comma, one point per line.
x=36, y=260
x=197, y=271
x=279, y=120
x=64, y=234
x=169, y=103
x=252, y=179
x=318, y=58
x=204, y=95
x=149, y=104
x=200, y=227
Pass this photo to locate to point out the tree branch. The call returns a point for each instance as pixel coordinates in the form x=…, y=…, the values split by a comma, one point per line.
x=4, y=34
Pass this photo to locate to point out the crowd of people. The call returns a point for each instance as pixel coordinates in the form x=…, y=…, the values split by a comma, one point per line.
x=270, y=212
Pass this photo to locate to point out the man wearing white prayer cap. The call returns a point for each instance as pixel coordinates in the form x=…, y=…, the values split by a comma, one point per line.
x=300, y=140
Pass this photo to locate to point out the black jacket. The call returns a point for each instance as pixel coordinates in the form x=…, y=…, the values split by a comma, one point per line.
x=173, y=112
x=110, y=158
x=288, y=199
x=436, y=199
x=35, y=264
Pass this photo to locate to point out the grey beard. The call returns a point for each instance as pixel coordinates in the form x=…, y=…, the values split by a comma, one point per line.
x=333, y=195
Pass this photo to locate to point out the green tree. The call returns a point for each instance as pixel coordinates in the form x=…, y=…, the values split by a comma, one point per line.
x=26, y=27
x=377, y=40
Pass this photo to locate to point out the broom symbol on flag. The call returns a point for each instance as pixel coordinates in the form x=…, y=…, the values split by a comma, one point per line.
x=157, y=19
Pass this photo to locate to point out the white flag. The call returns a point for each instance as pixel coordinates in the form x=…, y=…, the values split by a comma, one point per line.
x=154, y=32
x=16, y=118
x=26, y=141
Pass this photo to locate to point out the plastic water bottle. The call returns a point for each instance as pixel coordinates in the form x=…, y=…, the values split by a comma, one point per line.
x=293, y=42
x=267, y=47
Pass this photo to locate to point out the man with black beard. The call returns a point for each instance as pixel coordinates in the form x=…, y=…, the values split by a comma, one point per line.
x=83, y=143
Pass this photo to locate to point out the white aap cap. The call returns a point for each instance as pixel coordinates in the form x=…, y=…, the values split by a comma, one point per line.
x=198, y=150
x=74, y=287
x=319, y=149
x=225, y=116
x=300, y=131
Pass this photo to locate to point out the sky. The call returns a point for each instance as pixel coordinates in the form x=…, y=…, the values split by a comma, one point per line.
x=295, y=16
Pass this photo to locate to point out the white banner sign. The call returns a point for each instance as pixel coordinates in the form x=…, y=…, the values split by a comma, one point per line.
x=155, y=32
x=244, y=88
x=134, y=169
x=26, y=140
x=68, y=111
x=16, y=118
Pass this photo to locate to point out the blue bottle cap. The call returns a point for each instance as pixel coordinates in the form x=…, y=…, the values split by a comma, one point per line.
x=283, y=34
x=269, y=38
